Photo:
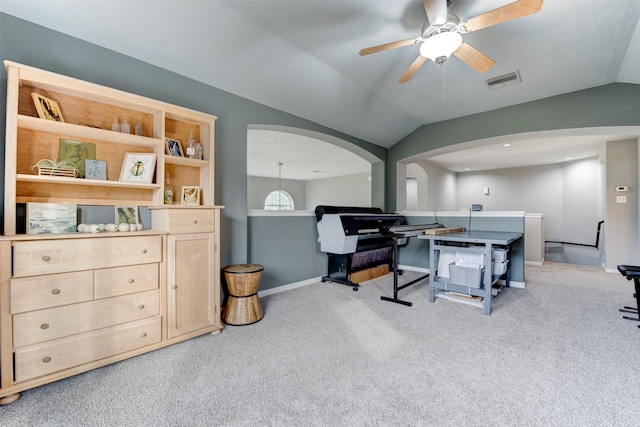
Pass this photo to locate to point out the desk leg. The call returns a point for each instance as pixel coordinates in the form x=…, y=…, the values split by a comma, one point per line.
x=396, y=288
x=434, y=269
x=488, y=278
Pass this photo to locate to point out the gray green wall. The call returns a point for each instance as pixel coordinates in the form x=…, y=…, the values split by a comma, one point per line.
x=615, y=104
x=33, y=45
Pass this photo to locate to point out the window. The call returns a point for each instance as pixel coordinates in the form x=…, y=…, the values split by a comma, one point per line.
x=278, y=201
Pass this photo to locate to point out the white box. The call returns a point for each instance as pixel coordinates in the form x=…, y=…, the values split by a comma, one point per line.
x=469, y=258
x=444, y=259
x=499, y=255
x=499, y=267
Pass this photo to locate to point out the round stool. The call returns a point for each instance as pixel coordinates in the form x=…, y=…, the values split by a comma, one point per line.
x=243, y=305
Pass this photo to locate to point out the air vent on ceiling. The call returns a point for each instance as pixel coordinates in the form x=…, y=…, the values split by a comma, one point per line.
x=508, y=79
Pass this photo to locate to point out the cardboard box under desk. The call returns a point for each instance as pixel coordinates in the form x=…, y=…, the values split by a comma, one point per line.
x=368, y=274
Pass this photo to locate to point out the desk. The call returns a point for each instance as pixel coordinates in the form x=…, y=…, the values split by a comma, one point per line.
x=468, y=241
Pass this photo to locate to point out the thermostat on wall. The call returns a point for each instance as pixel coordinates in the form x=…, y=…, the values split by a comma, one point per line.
x=622, y=188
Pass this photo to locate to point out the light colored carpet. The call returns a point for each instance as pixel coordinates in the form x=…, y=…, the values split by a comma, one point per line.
x=557, y=353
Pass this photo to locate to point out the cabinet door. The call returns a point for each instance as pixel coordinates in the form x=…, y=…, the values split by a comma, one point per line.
x=192, y=299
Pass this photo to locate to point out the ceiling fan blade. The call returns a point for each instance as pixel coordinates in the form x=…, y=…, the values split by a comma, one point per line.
x=389, y=46
x=436, y=11
x=502, y=14
x=474, y=58
x=408, y=75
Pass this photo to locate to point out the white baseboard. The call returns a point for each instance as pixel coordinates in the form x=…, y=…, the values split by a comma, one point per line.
x=311, y=281
x=289, y=286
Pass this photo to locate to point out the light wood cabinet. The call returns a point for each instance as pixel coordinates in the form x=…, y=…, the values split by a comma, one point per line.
x=73, y=302
x=192, y=267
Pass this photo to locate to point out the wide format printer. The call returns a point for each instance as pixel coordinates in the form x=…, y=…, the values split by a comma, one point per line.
x=361, y=238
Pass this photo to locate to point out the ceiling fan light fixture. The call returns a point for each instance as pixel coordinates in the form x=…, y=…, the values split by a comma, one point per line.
x=440, y=46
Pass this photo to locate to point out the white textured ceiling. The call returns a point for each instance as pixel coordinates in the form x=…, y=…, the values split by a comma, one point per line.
x=302, y=56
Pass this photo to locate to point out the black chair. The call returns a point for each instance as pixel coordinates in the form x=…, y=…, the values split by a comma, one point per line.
x=632, y=272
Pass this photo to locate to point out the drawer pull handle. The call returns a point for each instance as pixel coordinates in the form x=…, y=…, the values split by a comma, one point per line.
x=143, y=334
x=195, y=221
x=144, y=251
x=46, y=359
x=46, y=258
x=55, y=291
x=174, y=287
x=131, y=280
x=141, y=306
x=44, y=326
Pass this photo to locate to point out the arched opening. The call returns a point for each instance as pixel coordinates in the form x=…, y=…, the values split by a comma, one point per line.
x=310, y=167
x=417, y=184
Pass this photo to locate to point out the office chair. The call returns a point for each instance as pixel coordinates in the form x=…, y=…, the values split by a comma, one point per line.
x=632, y=272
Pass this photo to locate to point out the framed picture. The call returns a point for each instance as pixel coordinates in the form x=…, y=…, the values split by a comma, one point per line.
x=126, y=215
x=173, y=147
x=190, y=195
x=51, y=218
x=138, y=167
x=76, y=152
x=95, y=169
x=47, y=108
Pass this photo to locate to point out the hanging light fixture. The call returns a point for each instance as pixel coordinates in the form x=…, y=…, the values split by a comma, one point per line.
x=440, y=46
x=280, y=185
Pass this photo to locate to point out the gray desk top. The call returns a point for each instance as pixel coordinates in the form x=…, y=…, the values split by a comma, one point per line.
x=493, y=237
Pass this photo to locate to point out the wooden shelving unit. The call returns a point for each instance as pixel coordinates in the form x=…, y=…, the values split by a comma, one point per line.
x=66, y=281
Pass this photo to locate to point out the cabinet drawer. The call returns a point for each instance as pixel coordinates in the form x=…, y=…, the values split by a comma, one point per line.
x=126, y=280
x=190, y=221
x=43, y=325
x=60, y=256
x=35, y=293
x=42, y=359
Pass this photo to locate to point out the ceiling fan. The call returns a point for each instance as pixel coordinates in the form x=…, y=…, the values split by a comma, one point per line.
x=442, y=35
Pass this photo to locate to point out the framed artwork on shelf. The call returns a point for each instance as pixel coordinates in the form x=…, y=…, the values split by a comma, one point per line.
x=51, y=218
x=76, y=152
x=126, y=215
x=190, y=195
x=47, y=108
x=95, y=169
x=173, y=147
x=138, y=167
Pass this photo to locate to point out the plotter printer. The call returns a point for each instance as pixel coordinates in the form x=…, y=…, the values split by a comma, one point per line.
x=359, y=238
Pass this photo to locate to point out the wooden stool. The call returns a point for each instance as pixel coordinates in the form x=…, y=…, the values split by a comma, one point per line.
x=243, y=305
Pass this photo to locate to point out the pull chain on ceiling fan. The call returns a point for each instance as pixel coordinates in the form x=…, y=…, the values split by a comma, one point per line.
x=442, y=35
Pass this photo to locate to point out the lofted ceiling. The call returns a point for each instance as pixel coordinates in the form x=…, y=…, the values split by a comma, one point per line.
x=302, y=56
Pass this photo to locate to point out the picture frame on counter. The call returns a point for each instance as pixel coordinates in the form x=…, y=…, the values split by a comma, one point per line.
x=126, y=215
x=190, y=195
x=51, y=218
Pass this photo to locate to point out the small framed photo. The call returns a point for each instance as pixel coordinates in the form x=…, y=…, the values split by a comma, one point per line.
x=173, y=147
x=76, y=152
x=51, y=218
x=95, y=169
x=47, y=108
x=126, y=215
x=190, y=195
x=138, y=167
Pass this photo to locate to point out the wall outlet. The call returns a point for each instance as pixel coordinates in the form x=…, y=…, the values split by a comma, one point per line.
x=621, y=199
